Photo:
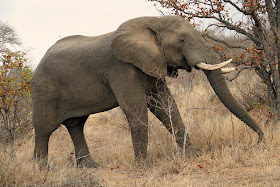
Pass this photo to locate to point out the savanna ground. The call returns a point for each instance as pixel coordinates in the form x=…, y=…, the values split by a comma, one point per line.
x=231, y=155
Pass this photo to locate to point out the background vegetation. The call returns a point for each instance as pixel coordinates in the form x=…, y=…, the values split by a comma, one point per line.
x=15, y=77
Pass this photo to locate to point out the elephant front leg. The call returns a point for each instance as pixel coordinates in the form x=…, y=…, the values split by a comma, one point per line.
x=137, y=116
x=133, y=103
x=139, y=134
x=163, y=106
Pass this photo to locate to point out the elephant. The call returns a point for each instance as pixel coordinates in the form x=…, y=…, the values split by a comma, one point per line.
x=82, y=75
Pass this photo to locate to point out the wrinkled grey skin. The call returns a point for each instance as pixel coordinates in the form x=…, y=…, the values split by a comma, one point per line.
x=82, y=75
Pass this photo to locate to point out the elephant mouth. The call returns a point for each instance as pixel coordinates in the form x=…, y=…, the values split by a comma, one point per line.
x=172, y=72
x=185, y=65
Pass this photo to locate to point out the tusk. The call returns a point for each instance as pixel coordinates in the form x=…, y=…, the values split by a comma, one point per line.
x=227, y=70
x=204, y=66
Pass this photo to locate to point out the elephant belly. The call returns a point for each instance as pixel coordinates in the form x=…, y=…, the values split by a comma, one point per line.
x=85, y=101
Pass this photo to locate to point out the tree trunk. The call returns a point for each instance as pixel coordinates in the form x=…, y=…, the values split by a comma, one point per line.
x=8, y=126
x=273, y=97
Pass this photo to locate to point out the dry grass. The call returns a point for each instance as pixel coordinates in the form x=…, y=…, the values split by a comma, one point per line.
x=230, y=156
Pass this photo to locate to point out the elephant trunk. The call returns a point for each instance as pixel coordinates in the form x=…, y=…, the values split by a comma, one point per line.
x=219, y=85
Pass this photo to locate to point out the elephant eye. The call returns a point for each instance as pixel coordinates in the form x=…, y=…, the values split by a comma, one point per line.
x=182, y=40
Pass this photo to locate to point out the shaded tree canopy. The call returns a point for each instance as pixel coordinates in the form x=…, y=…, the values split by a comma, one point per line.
x=7, y=36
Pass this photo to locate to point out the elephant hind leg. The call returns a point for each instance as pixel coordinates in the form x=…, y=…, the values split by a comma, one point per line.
x=44, y=123
x=75, y=127
x=41, y=148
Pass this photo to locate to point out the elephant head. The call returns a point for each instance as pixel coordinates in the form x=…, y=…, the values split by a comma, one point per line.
x=160, y=45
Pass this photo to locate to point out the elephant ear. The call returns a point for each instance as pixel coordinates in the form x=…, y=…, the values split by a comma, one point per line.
x=135, y=42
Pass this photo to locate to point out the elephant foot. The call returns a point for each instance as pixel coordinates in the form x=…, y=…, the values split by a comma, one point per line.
x=41, y=161
x=87, y=162
x=141, y=161
x=192, y=152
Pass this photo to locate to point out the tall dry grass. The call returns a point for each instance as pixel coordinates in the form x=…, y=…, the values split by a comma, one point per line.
x=230, y=153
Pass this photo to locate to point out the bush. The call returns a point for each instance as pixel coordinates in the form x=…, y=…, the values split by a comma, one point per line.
x=15, y=102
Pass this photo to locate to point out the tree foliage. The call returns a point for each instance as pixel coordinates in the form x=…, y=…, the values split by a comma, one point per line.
x=256, y=24
x=14, y=94
x=15, y=79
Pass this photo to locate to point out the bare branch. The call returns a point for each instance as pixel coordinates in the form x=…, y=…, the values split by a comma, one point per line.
x=239, y=30
x=8, y=35
x=161, y=12
x=239, y=71
x=238, y=8
x=223, y=42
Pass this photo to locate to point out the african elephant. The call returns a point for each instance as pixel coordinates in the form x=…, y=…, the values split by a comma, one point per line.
x=80, y=75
